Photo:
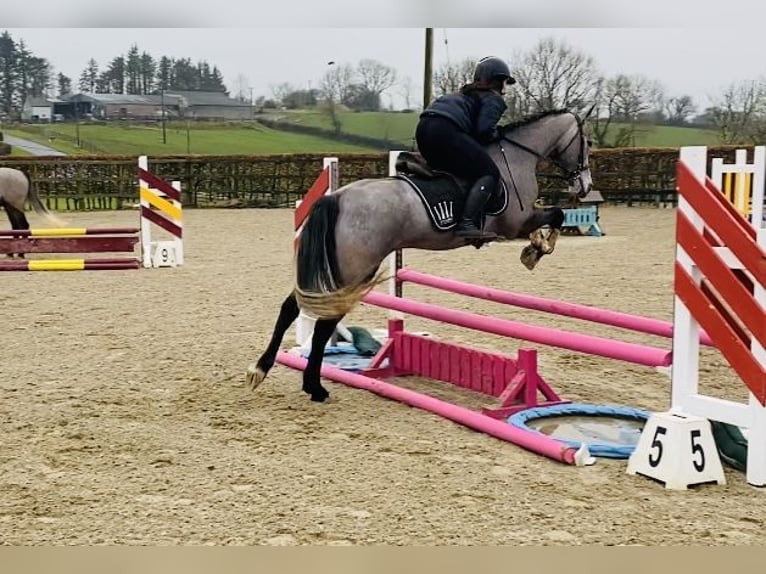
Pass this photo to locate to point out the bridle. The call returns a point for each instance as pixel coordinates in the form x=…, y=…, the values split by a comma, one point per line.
x=569, y=175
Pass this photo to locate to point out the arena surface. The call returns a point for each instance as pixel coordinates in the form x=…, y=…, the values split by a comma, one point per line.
x=126, y=420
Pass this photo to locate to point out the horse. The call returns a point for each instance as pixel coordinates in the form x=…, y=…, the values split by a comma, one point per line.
x=15, y=189
x=350, y=232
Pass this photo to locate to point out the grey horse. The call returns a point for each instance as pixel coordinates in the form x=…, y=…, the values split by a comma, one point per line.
x=15, y=189
x=350, y=232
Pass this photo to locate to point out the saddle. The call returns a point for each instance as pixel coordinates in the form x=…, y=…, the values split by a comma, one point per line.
x=443, y=194
x=413, y=163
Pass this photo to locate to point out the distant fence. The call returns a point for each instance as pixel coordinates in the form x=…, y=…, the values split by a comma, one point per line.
x=624, y=176
x=48, y=130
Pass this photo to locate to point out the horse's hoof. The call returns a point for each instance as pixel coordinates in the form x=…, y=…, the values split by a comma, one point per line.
x=319, y=396
x=536, y=238
x=530, y=257
x=255, y=376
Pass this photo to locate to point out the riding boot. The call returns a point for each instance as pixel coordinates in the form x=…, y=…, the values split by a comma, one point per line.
x=477, y=198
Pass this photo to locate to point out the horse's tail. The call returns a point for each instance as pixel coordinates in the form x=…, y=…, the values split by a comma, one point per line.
x=38, y=205
x=319, y=289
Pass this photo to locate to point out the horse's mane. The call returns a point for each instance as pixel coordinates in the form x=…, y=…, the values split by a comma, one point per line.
x=532, y=118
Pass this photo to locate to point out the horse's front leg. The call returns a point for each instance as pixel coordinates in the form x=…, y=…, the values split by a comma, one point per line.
x=541, y=245
x=553, y=217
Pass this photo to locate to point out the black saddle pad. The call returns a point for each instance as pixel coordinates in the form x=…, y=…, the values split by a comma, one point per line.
x=443, y=195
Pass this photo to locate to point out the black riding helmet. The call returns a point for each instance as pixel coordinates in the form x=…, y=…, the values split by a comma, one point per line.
x=490, y=68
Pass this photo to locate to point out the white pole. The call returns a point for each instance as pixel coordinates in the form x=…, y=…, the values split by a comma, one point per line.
x=756, y=439
x=179, y=240
x=392, y=267
x=145, y=224
x=686, y=330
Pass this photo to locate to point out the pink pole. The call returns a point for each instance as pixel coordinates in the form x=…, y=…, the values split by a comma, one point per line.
x=68, y=231
x=593, y=314
x=630, y=352
x=499, y=429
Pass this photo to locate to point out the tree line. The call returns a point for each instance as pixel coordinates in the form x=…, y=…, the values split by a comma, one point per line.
x=138, y=72
x=24, y=74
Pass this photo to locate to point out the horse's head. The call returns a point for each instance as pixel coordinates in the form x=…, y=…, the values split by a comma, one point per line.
x=571, y=154
x=566, y=146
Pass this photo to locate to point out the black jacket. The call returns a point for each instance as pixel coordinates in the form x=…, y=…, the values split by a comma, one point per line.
x=476, y=113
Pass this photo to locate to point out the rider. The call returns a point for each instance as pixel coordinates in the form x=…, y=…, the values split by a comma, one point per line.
x=453, y=129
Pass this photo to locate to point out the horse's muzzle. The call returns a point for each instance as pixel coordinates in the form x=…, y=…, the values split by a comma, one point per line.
x=584, y=190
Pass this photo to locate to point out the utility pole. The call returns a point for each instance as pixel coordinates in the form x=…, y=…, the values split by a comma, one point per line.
x=428, y=68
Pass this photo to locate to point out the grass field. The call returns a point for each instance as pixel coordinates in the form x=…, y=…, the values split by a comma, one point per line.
x=15, y=151
x=212, y=140
x=672, y=136
x=246, y=138
x=394, y=126
x=400, y=127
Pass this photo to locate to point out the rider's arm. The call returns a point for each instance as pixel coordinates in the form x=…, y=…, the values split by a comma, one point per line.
x=491, y=108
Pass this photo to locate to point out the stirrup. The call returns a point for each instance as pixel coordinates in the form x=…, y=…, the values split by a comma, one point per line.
x=469, y=229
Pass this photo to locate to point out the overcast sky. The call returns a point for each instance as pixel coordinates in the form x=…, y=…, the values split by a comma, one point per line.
x=698, y=61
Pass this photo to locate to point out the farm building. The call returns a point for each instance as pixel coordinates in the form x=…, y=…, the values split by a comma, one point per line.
x=177, y=104
x=40, y=109
x=211, y=105
x=122, y=106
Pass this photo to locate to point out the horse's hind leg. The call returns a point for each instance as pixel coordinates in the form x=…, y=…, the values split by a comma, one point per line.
x=18, y=220
x=323, y=330
x=257, y=372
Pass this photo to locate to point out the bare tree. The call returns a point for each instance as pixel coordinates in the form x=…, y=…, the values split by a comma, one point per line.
x=405, y=88
x=621, y=103
x=374, y=76
x=337, y=81
x=678, y=110
x=757, y=133
x=739, y=112
x=450, y=77
x=336, y=86
x=634, y=95
x=554, y=75
x=280, y=91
